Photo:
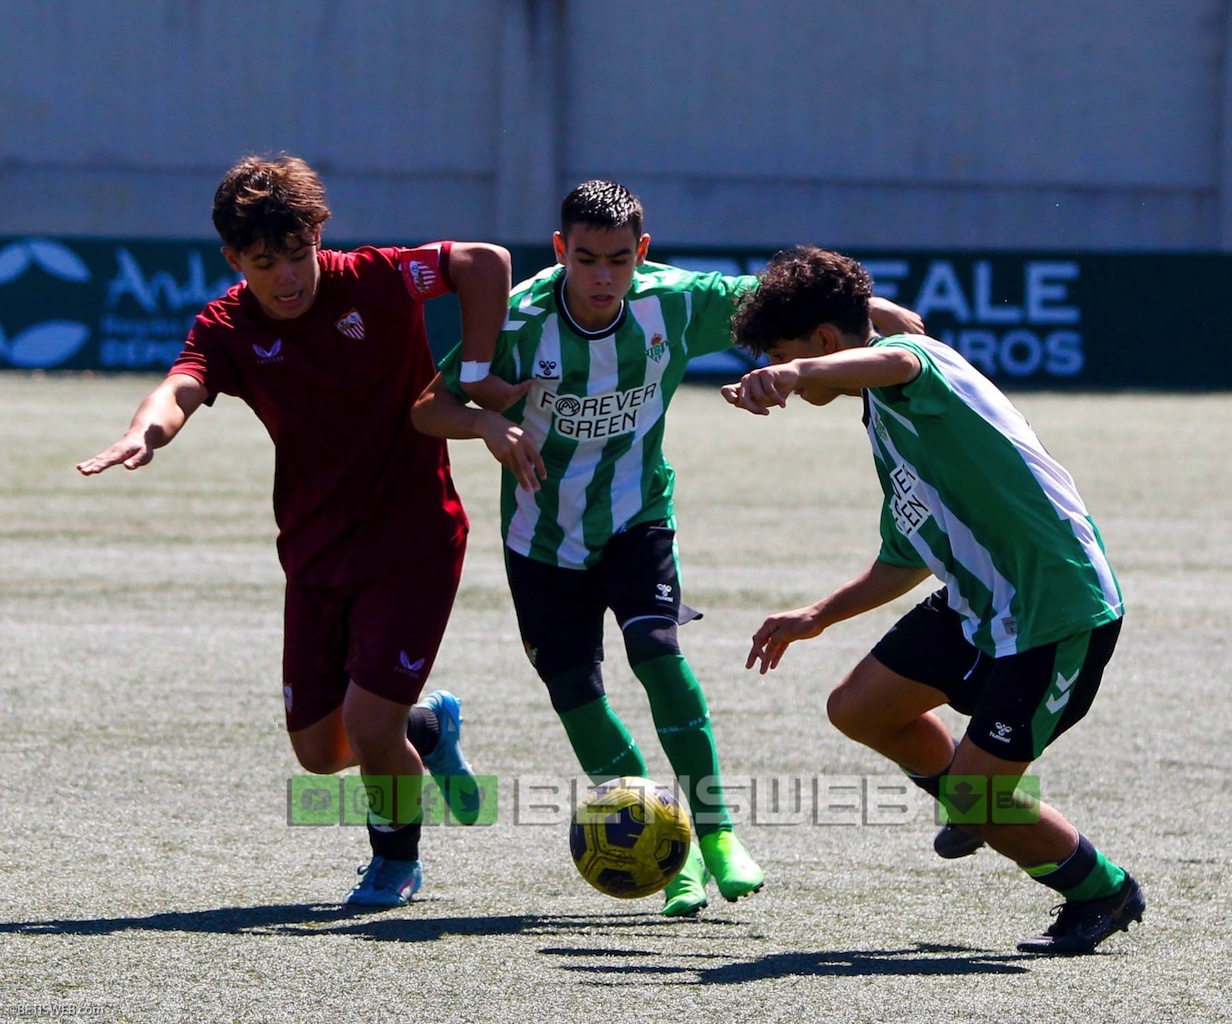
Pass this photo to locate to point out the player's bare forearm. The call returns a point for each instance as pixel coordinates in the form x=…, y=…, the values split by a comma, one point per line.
x=879, y=584
x=891, y=318
x=481, y=276
x=852, y=369
x=160, y=416
x=846, y=371
x=440, y=412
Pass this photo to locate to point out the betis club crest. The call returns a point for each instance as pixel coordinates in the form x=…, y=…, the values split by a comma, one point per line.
x=657, y=348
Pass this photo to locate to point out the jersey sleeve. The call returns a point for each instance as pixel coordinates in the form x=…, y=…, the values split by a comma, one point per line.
x=930, y=393
x=207, y=361
x=715, y=297
x=425, y=270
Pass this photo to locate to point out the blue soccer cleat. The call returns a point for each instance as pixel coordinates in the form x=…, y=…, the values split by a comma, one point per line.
x=386, y=883
x=446, y=763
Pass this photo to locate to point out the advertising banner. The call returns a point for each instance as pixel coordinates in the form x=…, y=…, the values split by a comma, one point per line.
x=1042, y=320
x=1077, y=321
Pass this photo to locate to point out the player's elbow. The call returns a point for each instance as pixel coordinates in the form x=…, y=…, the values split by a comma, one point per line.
x=482, y=260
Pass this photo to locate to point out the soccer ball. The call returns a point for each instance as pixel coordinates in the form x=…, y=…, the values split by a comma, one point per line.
x=629, y=837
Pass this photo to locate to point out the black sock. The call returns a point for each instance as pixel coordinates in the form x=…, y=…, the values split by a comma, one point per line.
x=400, y=844
x=931, y=784
x=422, y=729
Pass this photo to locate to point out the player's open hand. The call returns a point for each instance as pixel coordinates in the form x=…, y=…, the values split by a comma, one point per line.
x=763, y=389
x=132, y=451
x=778, y=632
x=513, y=449
x=496, y=394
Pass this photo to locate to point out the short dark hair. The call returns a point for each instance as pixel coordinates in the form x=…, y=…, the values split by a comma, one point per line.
x=801, y=289
x=264, y=199
x=601, y=204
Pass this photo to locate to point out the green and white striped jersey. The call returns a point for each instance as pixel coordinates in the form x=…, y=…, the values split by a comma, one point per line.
x=971, y=494
x=596, y=409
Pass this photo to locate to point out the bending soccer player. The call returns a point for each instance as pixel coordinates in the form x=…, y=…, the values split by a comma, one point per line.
x=329, y=350
x=602, y=340
x=1029, y=614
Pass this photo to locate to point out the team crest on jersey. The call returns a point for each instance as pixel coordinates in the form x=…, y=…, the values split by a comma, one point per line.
x=657, y=348
x=352, y=325
x=423, y=276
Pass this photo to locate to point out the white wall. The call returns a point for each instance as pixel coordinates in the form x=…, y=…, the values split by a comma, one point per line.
x=1046, y=124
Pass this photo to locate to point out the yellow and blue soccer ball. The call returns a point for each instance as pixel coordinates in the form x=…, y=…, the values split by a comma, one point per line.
x=629, y=837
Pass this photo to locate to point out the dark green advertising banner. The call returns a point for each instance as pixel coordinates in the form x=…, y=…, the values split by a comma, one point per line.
x=1043, y=320
x=92, y=305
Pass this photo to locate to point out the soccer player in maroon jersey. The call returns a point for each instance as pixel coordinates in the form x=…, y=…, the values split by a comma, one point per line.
x=330, y=351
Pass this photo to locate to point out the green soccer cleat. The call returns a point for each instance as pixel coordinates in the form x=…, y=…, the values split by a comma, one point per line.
x=686, y=893
x=736, y=873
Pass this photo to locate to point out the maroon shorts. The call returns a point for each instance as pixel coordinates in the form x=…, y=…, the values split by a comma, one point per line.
x=382, y=634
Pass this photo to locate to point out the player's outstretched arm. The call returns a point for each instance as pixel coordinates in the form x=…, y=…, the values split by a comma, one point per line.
x=481, y=275
x=157, y=420
x=440, y=413
x=822, y=378
x=891, y=318
x=880, y=583
x=763, y=389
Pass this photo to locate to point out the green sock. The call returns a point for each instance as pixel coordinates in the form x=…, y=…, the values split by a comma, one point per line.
x=1085, y=875
x=604, y=747
x=683, y=723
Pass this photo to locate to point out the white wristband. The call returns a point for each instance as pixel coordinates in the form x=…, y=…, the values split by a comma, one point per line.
x=470, y=372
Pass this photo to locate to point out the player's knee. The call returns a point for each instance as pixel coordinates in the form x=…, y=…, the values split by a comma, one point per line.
x=849, y=715
x=319, y=760
x=371, y=736
x=650, y=638
x=572, y=688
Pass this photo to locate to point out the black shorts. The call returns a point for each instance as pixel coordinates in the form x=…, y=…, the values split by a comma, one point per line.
x=1018, y=703
x=560, y=611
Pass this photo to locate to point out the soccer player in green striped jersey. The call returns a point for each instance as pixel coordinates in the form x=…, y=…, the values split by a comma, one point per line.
x=1030, y=610
x=592, y=352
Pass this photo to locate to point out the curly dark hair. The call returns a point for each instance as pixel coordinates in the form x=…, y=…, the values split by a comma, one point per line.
x=269, y=200
x=801, y=289
x=601, y=204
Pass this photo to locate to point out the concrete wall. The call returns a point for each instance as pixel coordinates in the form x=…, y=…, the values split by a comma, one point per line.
x=1038, y=124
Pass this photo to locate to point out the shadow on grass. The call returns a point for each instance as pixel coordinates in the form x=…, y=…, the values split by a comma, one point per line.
x=919, y=960
x=607, y=966
x=309, y=919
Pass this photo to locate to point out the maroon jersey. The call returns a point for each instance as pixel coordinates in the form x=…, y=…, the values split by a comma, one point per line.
x=357, y=490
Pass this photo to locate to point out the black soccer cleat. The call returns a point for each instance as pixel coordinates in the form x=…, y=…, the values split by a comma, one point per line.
x=1081, y=926
x=953, y=842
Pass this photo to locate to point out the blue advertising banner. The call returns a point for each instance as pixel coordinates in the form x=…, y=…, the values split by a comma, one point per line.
x=1040, y=320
